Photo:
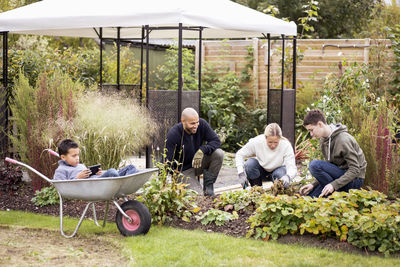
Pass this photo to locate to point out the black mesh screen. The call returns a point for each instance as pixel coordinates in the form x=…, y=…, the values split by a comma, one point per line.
x=163, y=106
x=288, y=116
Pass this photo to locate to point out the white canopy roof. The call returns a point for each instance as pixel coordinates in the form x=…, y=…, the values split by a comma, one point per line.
x=80, y=18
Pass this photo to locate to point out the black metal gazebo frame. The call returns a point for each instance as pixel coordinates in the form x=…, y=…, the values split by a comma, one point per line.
x=145, y=39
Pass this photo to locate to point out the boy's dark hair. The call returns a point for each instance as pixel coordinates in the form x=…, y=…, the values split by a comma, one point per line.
x=66, y=145
x=313, y=117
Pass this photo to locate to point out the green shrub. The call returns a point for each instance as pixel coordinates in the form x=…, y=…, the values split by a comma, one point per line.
x=219, y=217
x=166, y=76
x=241, y=199
x=366, y=219
x=129, y=66
x=166, y=197
x=46, y=196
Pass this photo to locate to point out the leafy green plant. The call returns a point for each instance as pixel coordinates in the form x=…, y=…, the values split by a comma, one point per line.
x=275, y=216
x=167, y=75
x=241, y=199
x=366, y=219
x=129, y=66
x=219, y=217
x=46, y=196
x=311, y=11
x=165, y=196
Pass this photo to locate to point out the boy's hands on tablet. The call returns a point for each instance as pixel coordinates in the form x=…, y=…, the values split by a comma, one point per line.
x=84, y=174
x=100, y=172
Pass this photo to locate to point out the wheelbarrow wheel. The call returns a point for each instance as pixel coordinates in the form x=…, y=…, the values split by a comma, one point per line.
x=140, y=216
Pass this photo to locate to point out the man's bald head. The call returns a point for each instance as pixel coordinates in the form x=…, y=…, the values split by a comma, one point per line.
x=190, y=120
x=189, y=113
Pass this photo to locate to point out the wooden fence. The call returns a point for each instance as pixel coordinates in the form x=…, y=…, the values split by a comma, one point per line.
x=320, y=57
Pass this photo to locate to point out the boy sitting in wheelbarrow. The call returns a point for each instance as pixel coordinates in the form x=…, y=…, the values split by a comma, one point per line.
x=69, y=167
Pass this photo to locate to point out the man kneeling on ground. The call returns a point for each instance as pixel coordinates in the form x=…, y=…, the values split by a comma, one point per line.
x=195, y=146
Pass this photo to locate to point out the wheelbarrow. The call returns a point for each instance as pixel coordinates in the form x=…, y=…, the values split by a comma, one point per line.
x=132, y=218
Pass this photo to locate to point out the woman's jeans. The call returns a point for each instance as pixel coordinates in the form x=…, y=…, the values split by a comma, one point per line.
x=325, y=173
x=130, y=169
x=256, y=174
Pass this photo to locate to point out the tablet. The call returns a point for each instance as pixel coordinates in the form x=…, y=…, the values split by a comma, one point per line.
x=94, y=169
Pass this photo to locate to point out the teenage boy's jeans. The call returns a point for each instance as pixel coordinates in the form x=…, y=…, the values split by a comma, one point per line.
x=256, y=173
x=130, y=169
x=325, y=173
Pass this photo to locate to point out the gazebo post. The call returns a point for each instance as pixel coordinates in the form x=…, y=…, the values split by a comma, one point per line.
x=147, y=88
x=5, y=61
x=269, y=77
x=200, y=52
x=180, y=81
x=118, y=54
x=6, y=95
x=294, y=78
x=141, y=68
x=101, y=57
x=282, y=79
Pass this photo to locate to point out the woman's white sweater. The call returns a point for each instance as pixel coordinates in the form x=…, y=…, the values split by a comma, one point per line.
x=257, y=147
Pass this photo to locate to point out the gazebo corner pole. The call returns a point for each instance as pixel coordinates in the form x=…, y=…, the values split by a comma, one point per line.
x=200, y=55
x=294, y=78
x=5, y=61
x=282, y=78
x=148, y=163
x=268, y=80
x=118, y=54
x=180, y=81
x=5, y=88
x=141, y=68
x=101, y=57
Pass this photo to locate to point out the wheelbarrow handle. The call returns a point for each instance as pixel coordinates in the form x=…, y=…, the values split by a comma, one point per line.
x=52, y=152
x=12, y=161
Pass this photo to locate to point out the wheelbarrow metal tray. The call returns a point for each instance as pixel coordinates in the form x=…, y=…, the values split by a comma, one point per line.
x=132, y=185
x=98, y=189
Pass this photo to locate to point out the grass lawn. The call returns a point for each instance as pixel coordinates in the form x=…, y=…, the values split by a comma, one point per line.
x=165, y=246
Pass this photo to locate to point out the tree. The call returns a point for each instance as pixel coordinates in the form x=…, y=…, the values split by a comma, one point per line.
x=337, y=19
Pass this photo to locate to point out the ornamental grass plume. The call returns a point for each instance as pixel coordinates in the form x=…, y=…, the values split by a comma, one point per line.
x=110, y=128
x=36, y=113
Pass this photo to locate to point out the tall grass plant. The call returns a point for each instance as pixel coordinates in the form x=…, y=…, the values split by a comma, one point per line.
x=36, y=112
x=109, y=128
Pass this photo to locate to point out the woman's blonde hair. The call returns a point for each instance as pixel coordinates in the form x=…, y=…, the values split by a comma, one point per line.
x=273, y=129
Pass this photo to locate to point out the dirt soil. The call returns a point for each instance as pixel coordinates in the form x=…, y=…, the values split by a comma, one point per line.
x=21, y=200
x=37, y=247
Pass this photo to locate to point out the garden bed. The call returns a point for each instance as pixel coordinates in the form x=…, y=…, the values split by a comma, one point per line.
x=21, y=200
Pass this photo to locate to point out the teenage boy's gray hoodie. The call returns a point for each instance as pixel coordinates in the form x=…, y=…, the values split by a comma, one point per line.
x=341, y=149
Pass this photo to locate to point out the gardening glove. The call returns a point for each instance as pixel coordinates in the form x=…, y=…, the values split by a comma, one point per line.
x=243, y=180
x=285, y=180
x=197, y=159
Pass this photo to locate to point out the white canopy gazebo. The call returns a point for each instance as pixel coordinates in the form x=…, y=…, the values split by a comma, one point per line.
x=134, y=19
